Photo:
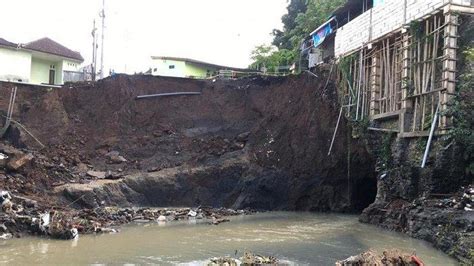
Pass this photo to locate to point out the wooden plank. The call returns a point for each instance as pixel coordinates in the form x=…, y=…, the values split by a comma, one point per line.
x=418, y=134
x=387, y=115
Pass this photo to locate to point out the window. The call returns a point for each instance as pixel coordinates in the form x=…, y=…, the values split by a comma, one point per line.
x=155, y=69
x=171, y=66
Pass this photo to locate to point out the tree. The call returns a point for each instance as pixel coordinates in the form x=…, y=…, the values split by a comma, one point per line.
x=261, y=56
x=282, y=38
x=268, y=57
x=317, y=12
x=303, y=17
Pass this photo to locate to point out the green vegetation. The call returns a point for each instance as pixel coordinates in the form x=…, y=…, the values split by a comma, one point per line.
x=416, y=30
x=462, y=110
x=302, y=18
x=268, y=57
x=318, y=12
x=360, y=127
x=344, y=67
x=385, y=152
x=283, y=39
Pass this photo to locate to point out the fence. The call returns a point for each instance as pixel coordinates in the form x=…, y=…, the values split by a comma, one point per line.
x=73, y=76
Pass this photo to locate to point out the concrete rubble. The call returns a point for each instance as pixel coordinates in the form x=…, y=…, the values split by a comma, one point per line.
x=19, y=161
x=248, y=258
x=217, y=221
x=224, y=261
x=114, y=157
x=16, y=220
x=96, y=174
x=3, y=160
x=255, y=259
x=387, y=258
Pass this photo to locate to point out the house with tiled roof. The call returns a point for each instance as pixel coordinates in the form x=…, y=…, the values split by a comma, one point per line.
x=43, y=61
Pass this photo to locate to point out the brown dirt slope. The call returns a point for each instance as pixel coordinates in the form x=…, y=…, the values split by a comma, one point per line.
x=282, y=126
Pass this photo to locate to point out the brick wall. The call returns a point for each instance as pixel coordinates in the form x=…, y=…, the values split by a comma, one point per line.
x=353, y=34
x=463, y=2
x=383, y=19
x=417, y=9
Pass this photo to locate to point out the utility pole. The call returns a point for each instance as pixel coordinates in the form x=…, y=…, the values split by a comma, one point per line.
x=102, y=15
x=94, y=52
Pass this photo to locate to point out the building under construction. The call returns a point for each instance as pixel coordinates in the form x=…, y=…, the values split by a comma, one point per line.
x=396, y=61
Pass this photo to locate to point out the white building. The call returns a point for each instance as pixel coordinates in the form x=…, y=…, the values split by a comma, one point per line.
x=43, y=61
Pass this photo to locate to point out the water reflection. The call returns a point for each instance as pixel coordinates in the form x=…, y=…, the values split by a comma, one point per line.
x=42, y=247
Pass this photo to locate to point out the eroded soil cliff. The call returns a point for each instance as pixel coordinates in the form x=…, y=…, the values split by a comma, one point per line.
x=257, y=142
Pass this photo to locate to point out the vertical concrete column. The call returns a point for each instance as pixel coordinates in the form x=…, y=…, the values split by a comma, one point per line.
x=449, y=65
x=406, y=114
x=375, y=84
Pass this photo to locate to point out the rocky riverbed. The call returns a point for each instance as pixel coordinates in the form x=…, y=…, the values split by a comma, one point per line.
x=24, y=216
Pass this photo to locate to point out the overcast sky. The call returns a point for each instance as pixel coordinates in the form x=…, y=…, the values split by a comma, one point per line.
x=218, y=31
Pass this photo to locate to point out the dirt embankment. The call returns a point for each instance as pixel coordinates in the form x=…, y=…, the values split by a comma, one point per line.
x=255, y=142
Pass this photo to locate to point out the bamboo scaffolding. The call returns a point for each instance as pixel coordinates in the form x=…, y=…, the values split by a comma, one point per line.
x=425, y=73
x=376, y=88
x=359, y=82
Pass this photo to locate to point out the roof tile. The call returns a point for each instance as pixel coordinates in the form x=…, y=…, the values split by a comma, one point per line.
x=4, y=42
x=46, y=45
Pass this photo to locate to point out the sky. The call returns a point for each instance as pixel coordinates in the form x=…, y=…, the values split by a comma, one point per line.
x=216, y=31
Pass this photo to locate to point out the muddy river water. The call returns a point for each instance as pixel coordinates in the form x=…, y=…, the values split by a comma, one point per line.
x=298, y=238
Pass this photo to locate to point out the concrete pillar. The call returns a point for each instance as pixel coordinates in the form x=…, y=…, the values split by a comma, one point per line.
x=375, y=84
x=449, y=65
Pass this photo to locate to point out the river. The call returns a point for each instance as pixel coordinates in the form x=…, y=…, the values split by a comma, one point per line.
x=298, y=238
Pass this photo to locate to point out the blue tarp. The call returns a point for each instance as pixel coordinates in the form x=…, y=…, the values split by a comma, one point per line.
x=321, y=34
